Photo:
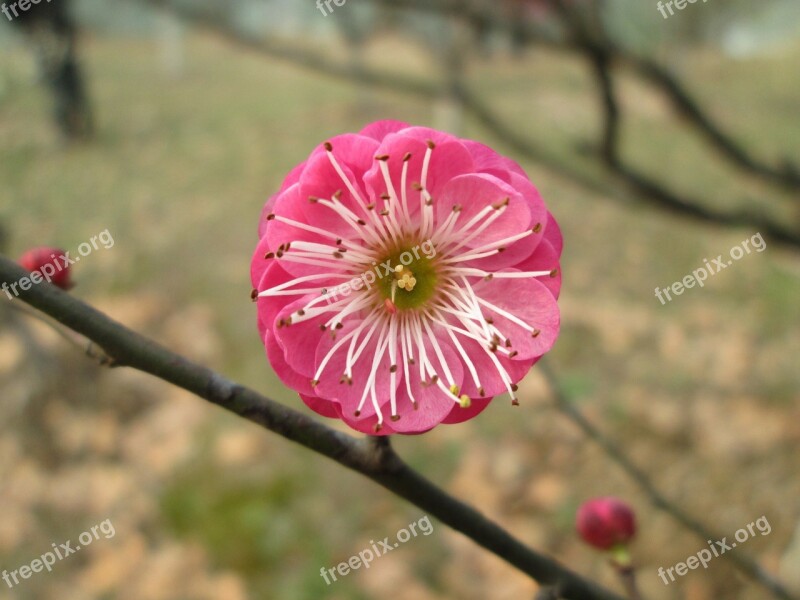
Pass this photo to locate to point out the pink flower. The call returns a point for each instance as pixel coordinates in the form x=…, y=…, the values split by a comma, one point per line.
x=405, y=277
x=46, y=261
x=605, y=522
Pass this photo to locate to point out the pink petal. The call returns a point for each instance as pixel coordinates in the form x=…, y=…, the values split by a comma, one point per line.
x=474, y=193
x=529, y=301
x=380, y=129
x=459, y=415
x=488, y=161
x=544, y=258
x=324, y=407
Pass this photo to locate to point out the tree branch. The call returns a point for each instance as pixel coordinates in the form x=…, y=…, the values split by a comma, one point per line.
x=637, y=186
x=487, y=13
x=372, y=458
x=599, y=57
x=741, y=561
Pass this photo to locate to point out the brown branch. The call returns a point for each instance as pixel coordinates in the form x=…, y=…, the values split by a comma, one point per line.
x=638, y=186
x=372, y=458
x=487, y=14
x=599, y=58
x=741, y=561
x=786, y=175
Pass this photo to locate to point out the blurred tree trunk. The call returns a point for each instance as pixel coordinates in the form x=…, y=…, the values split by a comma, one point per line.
x=51, y=33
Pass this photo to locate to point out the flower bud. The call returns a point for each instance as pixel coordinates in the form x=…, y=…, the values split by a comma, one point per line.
x=47, y=261
x=605, y=522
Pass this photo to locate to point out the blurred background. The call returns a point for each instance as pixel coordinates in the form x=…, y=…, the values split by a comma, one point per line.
x=656, y=142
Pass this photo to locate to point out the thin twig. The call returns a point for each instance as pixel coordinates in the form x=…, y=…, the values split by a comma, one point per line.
x=740, y=560
x=636, y=186
x=488, y=15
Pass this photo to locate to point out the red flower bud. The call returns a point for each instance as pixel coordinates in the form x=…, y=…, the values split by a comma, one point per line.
x=605, y=522
x=47, y=261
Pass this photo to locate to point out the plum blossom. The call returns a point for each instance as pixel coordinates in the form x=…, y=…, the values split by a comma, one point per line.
x=404, y=277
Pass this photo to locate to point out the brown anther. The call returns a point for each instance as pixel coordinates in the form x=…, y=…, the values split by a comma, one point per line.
x=554, y=272
x=537, y=228
x=489, y=277
x=489, y=320
x=314, y=382
x=407, y=157
x=508, y=342
x=322, y=328
x=337, y=194
x=361, y=222
x=395, y=418
x=371, y=206
x=434, y=379
x=501, y=249
x=270, y=216
x=328, y=146
x=313, y=199
x=393, y=369
x=501, y=204
x=357, y=413
x=378, y=427
x=338, y=326
x=535, y=333
x=301, y=312
x=383, y=157
x=269, y=255
x=416, y=186
x=411, y=360
x=414, y=405
x=514, y=402
x=254, y=294
x=456, y=208
x=428, y=201
x=338, y=254
x=384, y=213
x=338, y=241
x=514, y=387
x=385, y=196
x=430, y=144
x=482, y=392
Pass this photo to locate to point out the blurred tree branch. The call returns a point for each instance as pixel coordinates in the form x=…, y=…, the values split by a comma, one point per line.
x=373, y=458
x=602, y=55
x=741, y=561
x=490, y=13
